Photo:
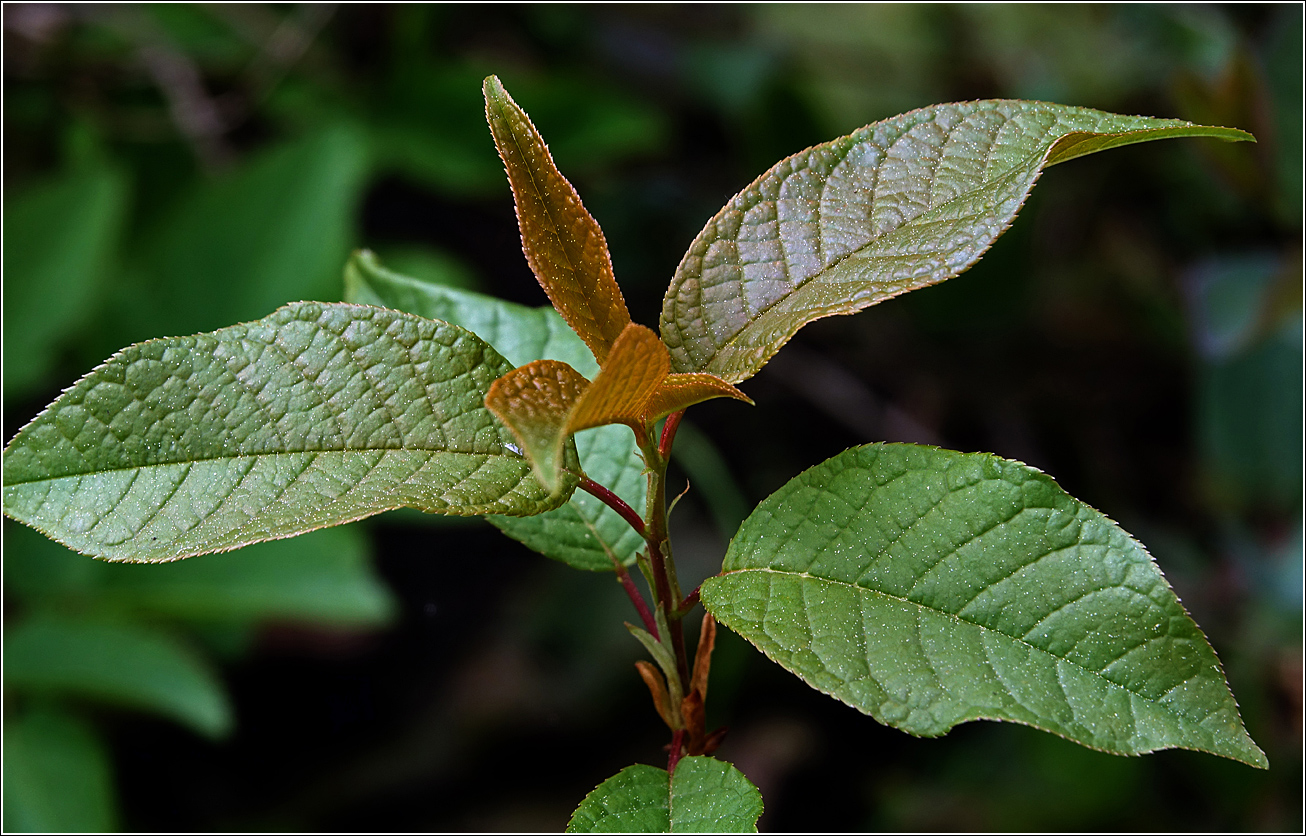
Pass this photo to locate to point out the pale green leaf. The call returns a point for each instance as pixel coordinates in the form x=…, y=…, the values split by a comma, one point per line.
x=57, y=775
x=706, y=795
x=131, y=665
x=519, y=333
x=584, y=531
x=316, y=415
x=928, y=588
x=59, y=242
x=895, y=206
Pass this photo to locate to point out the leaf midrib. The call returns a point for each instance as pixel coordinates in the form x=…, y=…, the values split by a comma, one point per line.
x=958, y=619
x=735, y=338
x=241, y=456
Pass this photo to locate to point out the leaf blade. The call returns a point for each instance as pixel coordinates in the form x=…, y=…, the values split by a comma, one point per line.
x=132, y=665
x=316, y=415
x=536, y=402
x=563, y=243
x=584, y=532
x=705, y=795
x=946, y=587
x=898, y=205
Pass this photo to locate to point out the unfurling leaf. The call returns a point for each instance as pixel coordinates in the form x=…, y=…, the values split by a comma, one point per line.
x=313, y=416
x=563, y=243
x=928, y=588
x=704, y=796
x=633, y=371
x=536, y=401
x=584, y=533
x=545, y=402
x=679, y=391
x=895, y=206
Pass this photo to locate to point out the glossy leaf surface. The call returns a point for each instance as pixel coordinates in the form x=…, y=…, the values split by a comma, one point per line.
x=927, y=588
x=563, y=243
x=705, y=795
x=316, y=415
x=131, y=665
x=584, y=531
x=895, y=206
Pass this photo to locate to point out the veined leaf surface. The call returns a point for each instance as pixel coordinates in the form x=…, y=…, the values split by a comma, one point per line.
x=704, y=796
x=927, y=588
x=536, y=401
x=563, y=243
x=315, y=415
x=895, y=206
x=583, y=532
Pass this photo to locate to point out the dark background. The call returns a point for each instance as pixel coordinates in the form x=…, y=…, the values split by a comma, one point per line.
x=1137, y=334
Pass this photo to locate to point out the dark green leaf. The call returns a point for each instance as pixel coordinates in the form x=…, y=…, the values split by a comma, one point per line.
x=895, y=206
x=134, y=666
x=232, y=248
x=323, y=577
x=59, y=242
x=57, y=775
x=928, y=588
x=706, y=795
x=316, y=415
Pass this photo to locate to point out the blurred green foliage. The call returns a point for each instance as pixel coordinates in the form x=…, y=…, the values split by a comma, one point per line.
x=177, y=168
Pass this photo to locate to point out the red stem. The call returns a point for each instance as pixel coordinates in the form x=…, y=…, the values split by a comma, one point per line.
x=669, y=433
x=691, y=601
x=677, y=743
x=614, y=502
x=645, y=614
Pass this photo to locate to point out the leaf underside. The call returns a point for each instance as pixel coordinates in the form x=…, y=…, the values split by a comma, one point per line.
x=585, y=531
x=895, y=206
x=315, y=415
x=928, y=588
x=705, y=795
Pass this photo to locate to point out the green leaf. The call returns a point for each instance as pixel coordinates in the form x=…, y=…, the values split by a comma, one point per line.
x=895, y=206
x=230, y=248
x=130, y=665
x=318, y=414
x=323, y=577
x=519, y=333
x=582, y=532
x=59, y=242
x=706, y=795
x=57, y=775
x=928, y=588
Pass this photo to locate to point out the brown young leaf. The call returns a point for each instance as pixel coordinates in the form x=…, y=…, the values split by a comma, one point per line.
x=682, y=390
x=535, y=401
x=634, y=370
x=563, y=243
x=658, y=689
x=703, y=656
